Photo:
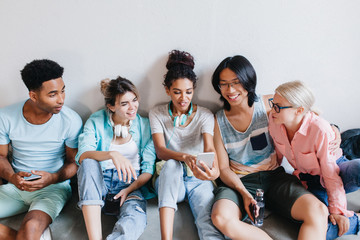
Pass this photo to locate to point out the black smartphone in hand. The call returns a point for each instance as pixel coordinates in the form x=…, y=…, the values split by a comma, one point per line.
x=254, y=210
x=32, y=177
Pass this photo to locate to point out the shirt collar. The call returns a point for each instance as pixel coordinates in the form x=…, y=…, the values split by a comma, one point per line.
x=305, y=123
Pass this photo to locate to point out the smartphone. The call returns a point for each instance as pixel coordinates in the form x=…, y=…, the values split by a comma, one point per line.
x=206, y=157
x=32, y=177
x=253, y=211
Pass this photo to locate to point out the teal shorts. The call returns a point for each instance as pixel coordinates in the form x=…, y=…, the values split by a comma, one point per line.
x=50, y=199
x=281, y=190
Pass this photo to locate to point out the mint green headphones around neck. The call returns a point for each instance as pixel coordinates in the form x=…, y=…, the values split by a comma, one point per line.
x=180, y=120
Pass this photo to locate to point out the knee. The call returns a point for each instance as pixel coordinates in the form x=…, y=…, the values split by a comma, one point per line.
x=88, y=167
x=31, y=226
x=171, y=167
x=356, y=169
x=219, y=219
x=317, y=209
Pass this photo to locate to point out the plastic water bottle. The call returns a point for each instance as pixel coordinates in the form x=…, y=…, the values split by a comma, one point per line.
x=259, y=220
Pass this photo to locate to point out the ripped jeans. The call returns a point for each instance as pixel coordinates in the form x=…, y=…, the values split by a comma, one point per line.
x=94, y=184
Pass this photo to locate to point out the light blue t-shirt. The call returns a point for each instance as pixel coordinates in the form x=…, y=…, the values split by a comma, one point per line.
x=38, y=147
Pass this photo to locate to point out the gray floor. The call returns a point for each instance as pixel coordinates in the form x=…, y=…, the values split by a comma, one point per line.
x=70, y=225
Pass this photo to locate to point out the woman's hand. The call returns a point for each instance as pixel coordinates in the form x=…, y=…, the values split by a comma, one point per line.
x=334, y=145
x=205, y=173
x=122, y=195
x=342, y=222
x=123, y=166
x=190, y=160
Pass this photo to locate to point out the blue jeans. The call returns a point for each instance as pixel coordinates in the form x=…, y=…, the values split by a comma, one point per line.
x=173, y=186
x=350, y=175
x=94, y=184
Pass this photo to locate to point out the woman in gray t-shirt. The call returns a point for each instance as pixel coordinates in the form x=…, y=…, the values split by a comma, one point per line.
x=181, y=130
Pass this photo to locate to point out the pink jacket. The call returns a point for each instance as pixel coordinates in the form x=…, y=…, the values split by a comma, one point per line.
x=309, y=152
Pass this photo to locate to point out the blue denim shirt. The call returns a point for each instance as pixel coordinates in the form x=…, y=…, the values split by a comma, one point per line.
x=98, y=134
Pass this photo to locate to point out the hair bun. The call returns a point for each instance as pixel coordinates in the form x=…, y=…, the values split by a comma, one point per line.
x=177, y=57
x=104, y=84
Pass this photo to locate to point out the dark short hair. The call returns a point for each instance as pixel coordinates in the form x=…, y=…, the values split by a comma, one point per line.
x=180, y=65
x=112, y=88
x=244, y=72
x=39, y=71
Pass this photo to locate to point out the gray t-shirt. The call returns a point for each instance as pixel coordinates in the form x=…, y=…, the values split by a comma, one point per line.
x=187, y=139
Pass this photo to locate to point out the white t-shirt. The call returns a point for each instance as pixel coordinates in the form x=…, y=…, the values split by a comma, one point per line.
x=129, y=150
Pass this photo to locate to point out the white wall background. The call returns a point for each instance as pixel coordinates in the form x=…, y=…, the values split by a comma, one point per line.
x=316, y=41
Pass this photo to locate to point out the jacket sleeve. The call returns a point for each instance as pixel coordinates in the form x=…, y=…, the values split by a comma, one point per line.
x=87, y=139
x=147, y=151
x=330, y=175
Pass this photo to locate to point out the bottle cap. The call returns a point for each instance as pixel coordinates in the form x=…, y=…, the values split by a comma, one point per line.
x=259, y=192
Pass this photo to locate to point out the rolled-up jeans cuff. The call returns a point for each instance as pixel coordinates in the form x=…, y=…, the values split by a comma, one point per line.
x=167, y=204
x=90, y=202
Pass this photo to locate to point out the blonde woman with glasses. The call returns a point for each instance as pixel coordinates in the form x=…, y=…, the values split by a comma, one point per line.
x=303, y=138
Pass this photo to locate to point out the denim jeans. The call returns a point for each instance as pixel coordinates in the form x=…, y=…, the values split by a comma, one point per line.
x=94, y=184
x=350, y=175
x=173, y=186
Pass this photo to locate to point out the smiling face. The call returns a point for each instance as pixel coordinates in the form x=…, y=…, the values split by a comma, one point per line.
x=125, y=108
x=231, y=88
x=181, y=93
x=50, y=96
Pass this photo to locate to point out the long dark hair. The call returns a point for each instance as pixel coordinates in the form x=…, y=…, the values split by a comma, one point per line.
x=244, y=72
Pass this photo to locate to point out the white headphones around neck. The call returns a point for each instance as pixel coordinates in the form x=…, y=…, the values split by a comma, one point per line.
x=119, y=130
x=180, y=120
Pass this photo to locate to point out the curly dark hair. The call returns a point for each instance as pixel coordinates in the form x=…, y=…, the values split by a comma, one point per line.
x=39, y=71
x=180, y=65
x=244, y=71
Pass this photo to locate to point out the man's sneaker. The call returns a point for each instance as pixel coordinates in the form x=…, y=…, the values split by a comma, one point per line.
x=46, y=234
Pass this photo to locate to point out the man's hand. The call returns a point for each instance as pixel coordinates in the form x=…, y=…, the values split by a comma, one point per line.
x=18, y=179
x=45, y=180
x=342, y=222
x=249, y=201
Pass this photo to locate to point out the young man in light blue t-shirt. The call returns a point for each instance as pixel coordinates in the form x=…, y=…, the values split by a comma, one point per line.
x=42, y=135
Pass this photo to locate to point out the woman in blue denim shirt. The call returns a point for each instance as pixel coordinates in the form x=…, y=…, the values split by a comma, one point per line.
x=116, y=156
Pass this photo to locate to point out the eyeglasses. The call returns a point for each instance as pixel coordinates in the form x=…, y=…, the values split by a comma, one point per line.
x=223, y=86
x=276, y=106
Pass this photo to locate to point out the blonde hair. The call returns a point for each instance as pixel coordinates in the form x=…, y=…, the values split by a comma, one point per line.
x=298, y=95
